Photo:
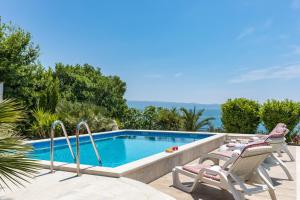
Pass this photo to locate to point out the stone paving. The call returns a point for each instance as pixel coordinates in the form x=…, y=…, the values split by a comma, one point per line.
x=285, y=190
x=67, y=186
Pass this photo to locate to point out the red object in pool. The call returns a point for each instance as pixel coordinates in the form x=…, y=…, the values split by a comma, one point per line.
x=175, y=148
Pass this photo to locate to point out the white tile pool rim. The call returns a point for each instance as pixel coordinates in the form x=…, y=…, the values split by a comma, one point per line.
x=127, y=168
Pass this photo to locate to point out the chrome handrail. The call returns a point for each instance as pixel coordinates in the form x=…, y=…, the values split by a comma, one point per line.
x=78, y=144
x=52, y=133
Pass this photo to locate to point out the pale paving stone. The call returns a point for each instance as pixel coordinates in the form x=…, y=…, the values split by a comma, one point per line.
x=66, y=186
x=285, y=190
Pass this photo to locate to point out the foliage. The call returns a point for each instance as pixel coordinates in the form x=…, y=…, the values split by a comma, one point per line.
x=132, y=119
x=191, y=119
x=42, y=122
x=87, y=84
x=15, y=166
x=149, y=118
x=274, y=112
x=240, y=115
x=18, y=68
x=74, y=112
x=169, y=119
x=294, y=135
x=153, y=118
x=49, y=95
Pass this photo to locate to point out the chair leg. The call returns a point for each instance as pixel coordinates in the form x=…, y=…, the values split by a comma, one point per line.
x=284, y=167
x=177, y=183
x=268, y=182
x=287, y=151
x=265, y=174
x=272, y=194
x=237, y=195
x=279, y=153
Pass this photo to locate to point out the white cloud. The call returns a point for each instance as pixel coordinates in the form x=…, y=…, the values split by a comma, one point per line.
x=295, y=4
x=177, y=75
x=246, y=32
x=154, y=76
x=284, y=72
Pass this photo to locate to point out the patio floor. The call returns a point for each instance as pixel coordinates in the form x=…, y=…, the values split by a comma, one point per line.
x=285, y=190
x=67, y=186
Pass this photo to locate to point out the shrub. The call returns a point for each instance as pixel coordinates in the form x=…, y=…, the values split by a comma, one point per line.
x=150, y=118
x=71, y=113
x=273, y=112
x=42, y=122
x=169, y=119
x=132, y=119
x=49, y=95
x=240, y=115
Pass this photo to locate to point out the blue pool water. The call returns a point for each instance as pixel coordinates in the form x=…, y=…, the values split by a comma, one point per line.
x=116, y=148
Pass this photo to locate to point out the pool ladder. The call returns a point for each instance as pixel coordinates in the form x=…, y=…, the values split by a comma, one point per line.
x=77, y=145
x=52, y=133
x=77, y=158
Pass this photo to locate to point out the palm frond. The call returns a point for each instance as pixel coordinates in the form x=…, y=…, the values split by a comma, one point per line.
x=15, y=164
x=191, y=119
x=11, y=112
x=204, y=122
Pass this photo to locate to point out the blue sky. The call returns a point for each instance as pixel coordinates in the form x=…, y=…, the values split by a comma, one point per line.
x=173, y=50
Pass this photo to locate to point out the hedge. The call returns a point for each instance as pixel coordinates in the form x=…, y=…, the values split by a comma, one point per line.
x=240, y=115
x=273, y=112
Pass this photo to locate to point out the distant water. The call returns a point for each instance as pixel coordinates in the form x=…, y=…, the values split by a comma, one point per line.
x=211, y=110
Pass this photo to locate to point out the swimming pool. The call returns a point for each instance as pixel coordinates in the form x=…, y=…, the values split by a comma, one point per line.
x=135, y=154
x=115, y=148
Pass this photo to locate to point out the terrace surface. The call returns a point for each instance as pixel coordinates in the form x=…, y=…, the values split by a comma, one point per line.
x=66, y=186
x=285, y=190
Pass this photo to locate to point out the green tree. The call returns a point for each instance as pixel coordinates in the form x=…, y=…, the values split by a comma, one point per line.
x=240, y=115
x=169, y=119
x=85, y=83
x=15, y=166
x=49, y=96
x=273, y=112
x=18, y=64
x=191, y=119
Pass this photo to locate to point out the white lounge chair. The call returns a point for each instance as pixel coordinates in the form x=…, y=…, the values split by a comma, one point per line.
x=276, y=139
x=280, y=131
x=242, y=177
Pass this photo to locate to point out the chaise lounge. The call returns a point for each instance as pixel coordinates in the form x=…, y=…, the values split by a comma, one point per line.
x=242, y=177
x=276, y=139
